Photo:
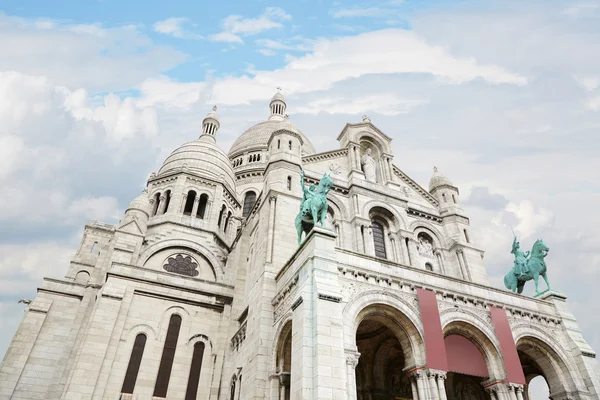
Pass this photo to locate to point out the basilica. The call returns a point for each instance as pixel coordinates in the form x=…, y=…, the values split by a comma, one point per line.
x=201, y=290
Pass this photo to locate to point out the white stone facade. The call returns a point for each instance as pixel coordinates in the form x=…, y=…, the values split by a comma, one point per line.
x=336, y=318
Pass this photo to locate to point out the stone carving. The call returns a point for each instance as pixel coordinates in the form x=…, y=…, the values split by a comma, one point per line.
x=468, y=390
x=406, y=191
x=526, y=269
x=314, y=205
x=181, y=264
x=369, y=166
x=425, y=247
x=335, y=168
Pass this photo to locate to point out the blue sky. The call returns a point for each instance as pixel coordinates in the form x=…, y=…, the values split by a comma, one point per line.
x=502, y=96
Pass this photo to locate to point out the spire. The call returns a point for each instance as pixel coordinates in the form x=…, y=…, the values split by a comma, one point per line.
x=211, y=124
x=438, y=179
x=277, y=107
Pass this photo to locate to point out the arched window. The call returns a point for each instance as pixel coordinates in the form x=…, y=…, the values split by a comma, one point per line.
x=189, y=203
x=428, y=266
x=240, y=388
x=220, y=220
x=378, y=239
x=134, y=363
x=227, y=221
x=93, y=250
x=444, y=197
x=454, y=199
x=194, y=378
x=289, y=183
x=278, y=143
x=232, y=389
x=168, y=355
x=167, y=200
x=156, y=201
x=202, y=206
x=249, y=201
x=290, y=144
x=466, y=236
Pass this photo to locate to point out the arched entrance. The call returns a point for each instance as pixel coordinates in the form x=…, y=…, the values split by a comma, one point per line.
x=284, y=361
x=473, y=360
x=385, y=339
x=539, y=360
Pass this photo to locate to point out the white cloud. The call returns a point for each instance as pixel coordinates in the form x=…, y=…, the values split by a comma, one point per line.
x=99, y=59
x=589, y=82
x=226, y=37
x=174, y=27
x=266, y=52
x=381, y=103
x=594, y=103
x=235, y=25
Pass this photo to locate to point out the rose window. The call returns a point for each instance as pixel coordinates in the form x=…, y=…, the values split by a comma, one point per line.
x=181, y=264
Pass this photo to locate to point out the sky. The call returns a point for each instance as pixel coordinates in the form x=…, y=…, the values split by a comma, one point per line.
x=502, y=96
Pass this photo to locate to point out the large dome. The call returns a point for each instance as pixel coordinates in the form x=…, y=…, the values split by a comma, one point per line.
x=203, y=157
x=257, y=137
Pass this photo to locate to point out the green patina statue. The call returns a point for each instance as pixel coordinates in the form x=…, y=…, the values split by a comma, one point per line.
x=526, y=269
x=314, y=205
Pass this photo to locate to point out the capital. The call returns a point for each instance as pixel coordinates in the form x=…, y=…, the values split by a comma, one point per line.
x=162, y=197
x=352, y=358
x=459, y=251
x=272, y=199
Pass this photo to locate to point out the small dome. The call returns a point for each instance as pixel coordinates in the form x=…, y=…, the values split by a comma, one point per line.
x=257, y=137
x=141, y=203
x=438, y=180
x=203, y=157
x=213, y=114
x=278, y=96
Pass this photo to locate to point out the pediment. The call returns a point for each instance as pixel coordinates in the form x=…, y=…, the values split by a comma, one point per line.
x=131, y=226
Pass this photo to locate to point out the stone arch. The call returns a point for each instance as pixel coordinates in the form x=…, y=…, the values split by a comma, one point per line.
x=338, y=206
x=399, y=222
x=82, y=276
x=130, y=334
x=194, y=247
x=283, y=328
x=402, y=317
x=419, y=226
x=480, y=333
x=557, y=368
x=374, y=139
x=201, y=338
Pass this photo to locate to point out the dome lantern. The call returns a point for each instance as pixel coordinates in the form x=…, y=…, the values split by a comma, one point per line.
x=277, y=107
x=211, y=124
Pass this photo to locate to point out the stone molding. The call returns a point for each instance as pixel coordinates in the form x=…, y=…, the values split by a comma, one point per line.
x=423, y=215
x=325, y=156
x=415, y=186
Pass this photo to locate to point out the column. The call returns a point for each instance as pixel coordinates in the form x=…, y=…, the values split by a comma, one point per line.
x=433, y=388
x=352, y=157
x=162, y=204
x=207, y=211
x=466, y=264
x=441, y=377
x=460, y=264
x=519, y=389
x=391, y=169
x=413, y=253
x=284, y=384
x=511, y=392
x=274, y=386
x=336, y=229
x=356, y=208
x=352, y=358
x=438, y=254
x=183, y=201
x=357, y=158
x=368, y=240
x=419, y=377
x=405, y=250
x=195, y=206
x=384, y=169
x=415, y=391
x=272, y=203
x=359, y=238
x=395, y=255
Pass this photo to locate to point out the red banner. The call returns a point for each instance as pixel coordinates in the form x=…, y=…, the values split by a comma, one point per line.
x=435, y=349
x=514, y=370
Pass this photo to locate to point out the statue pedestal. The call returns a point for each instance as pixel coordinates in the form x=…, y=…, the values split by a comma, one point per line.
x=551, y=295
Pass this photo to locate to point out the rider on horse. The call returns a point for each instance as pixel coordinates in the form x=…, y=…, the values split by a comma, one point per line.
x=520, y=268
x=308, y=193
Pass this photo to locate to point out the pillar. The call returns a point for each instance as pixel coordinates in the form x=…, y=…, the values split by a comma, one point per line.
x=352, y=358
x=272, y=203
x=433, y=387
x=519, y=389
x=413, y=253
x=162, y=204
x=183, y=201
x=368, y=240
x=419, y=378
x=195, y=206
x=359, y=238
x=441, y=377
x=405, y=250
x=438, y=254
x=461, y=266
x=512, y=394
x=207, y=211
x=396, y=256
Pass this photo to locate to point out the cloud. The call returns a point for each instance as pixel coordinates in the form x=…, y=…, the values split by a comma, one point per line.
x=382, y=103
x=266, y=52
x=235, y=25
x=594, y=103
x=174, y=27
x=482, y=197
x=91, y=56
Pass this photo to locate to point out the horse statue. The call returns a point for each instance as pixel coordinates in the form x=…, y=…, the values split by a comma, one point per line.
x=314, y=205
x=526, y=269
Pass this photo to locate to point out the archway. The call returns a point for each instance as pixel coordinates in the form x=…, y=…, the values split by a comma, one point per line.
x=385, y=340
x=539, y=360
x=284, y=361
